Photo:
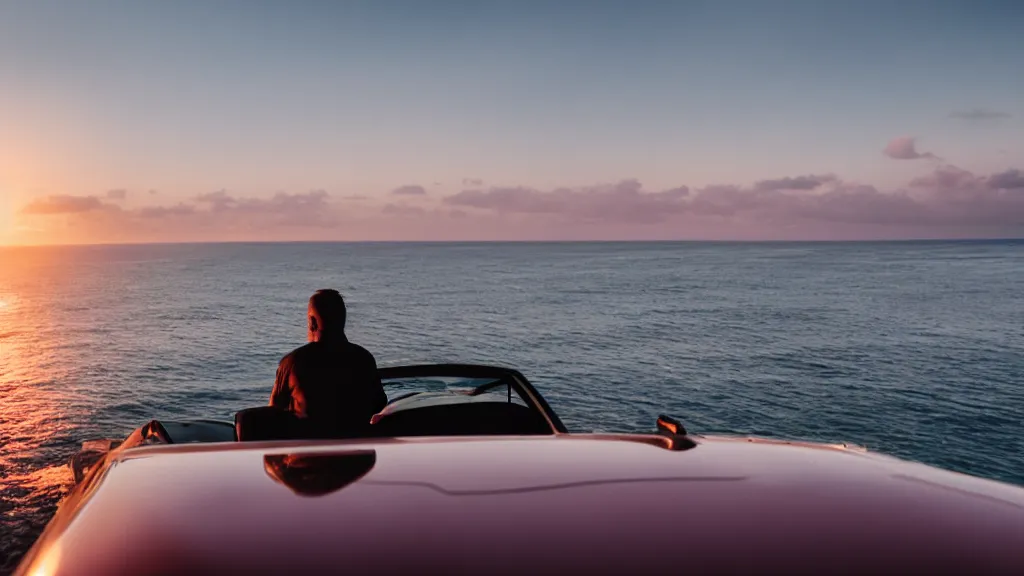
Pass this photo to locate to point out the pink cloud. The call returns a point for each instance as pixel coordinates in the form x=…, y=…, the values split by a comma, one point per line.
x=411, y=190
x=727, y=200
x=402, y=210
x=310, y=208
x=63, y=204
x=948, y=196
x=948, y=201
x=1009, y=180
x=219, y=200
x=809, y=182
x=904, y=148
x=166, y=211
x=946, y=178
x=214, y=216
x=117, y=194
x=624, y=201
x=856, y=204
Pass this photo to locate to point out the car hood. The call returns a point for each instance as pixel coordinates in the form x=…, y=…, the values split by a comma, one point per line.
x=568, y=503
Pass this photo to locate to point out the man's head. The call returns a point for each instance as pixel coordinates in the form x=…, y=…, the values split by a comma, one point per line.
x=326, y=315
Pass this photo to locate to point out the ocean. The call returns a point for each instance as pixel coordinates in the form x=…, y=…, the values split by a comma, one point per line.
x=914, y=349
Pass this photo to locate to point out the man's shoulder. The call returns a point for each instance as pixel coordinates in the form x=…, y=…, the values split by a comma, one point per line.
x=297, y=354
x=360, y=352
x=317, y=351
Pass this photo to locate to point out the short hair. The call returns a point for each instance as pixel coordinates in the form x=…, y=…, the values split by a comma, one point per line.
x=330, y=307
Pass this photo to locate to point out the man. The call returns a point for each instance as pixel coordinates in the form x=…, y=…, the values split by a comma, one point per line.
x=331, y=385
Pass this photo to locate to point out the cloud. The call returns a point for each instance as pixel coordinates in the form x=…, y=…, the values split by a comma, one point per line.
x=946, y=201
x=403, y=210
x=903, y=148
x=207, y=214
x=218, y=201
x=859, y=204
x=472, y=182
x=1009, y=180
x=412, y=190
x=282, y=209
x=117, y=194
x=948, y=196
x=809, y=182
x=947, y=179
x=281, y=204
x=166, y=211
x=980, y=114
x=63, y=204
x=624, y=201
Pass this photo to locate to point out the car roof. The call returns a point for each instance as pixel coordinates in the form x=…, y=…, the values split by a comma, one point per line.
x=566, y=503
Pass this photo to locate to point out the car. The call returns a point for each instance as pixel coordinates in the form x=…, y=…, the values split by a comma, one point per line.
x=468, y=470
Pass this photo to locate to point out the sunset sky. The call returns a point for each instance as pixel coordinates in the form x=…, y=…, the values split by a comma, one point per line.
x=141, y=121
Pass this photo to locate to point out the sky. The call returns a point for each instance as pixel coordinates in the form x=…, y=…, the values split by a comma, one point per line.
x=238, y=120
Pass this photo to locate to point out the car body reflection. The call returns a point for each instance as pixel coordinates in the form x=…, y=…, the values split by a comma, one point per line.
x=319, y=474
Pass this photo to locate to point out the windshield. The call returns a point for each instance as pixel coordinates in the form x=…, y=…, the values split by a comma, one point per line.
x=487, y=389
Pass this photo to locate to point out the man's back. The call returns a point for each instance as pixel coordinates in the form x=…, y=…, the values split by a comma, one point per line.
x=332, y=383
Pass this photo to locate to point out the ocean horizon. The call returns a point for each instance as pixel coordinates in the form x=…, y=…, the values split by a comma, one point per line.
x=923, y=240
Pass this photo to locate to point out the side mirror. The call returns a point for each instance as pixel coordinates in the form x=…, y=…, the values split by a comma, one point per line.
x=676, y=434
x=93, y=452
x=669, y=425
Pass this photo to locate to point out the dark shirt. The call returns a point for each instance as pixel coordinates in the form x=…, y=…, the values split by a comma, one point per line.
x=331, y=383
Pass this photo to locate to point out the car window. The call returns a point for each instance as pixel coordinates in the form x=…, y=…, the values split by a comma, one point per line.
x=396, y=388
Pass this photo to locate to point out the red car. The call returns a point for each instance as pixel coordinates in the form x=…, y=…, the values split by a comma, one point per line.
x=486, y=480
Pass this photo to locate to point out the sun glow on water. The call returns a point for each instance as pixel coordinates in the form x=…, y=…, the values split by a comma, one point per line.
x=7, y=302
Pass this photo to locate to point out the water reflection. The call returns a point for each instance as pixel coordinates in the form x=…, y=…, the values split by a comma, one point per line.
x=35, y=414
x=319, y=474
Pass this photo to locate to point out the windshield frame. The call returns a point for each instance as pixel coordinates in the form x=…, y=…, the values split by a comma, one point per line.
x=498, y=376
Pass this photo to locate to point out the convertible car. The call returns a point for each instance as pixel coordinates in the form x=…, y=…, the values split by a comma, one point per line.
x=469, y=471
